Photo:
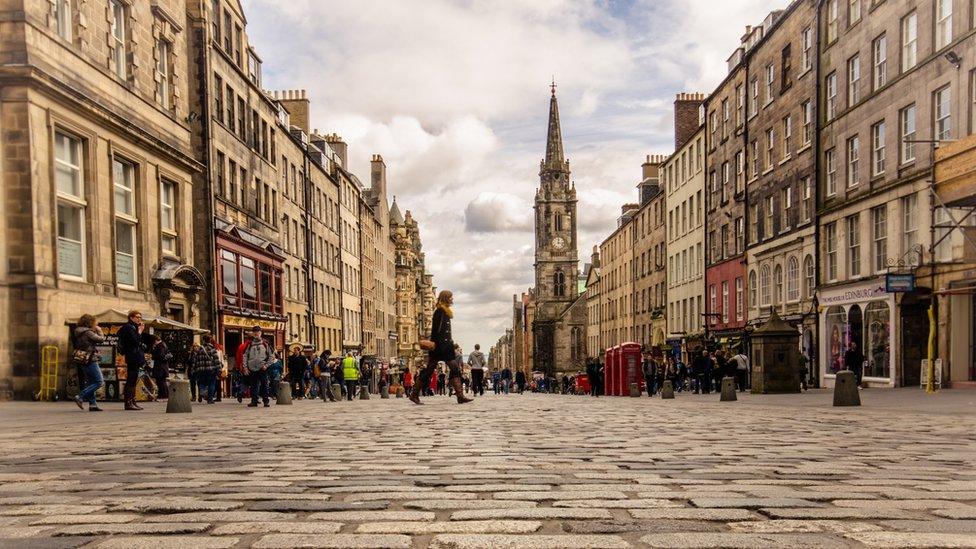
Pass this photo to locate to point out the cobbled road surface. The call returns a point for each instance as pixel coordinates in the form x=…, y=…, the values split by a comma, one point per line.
x=532, y=471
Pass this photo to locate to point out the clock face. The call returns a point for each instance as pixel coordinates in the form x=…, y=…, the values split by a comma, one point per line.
x=558, y=243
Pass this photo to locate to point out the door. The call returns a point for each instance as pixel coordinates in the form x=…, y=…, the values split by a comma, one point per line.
x=914, y=341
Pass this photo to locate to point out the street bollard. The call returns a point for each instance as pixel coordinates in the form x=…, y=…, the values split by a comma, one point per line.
x=179, y=397
x=634, y=390
x=336, y=392
x=667, y=391
x=384, y=391
x=845, y=389
x=728, y=389
x=284, y=393
x=363, y=393
x=400, y=392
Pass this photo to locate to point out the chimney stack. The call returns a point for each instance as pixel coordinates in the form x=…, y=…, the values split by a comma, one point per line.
x=378, y=176
x=686, y=117
x=297, y=105
x=340, y=148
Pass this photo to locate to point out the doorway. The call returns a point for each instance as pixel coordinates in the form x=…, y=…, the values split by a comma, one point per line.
x=914, y=339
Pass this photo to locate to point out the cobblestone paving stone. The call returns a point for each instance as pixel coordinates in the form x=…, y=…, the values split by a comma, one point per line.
x=530, y=471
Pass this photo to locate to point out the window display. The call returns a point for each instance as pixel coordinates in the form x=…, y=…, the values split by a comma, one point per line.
x=877, y=321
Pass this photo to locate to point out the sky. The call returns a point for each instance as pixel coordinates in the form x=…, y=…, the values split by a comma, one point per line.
x=454, y=94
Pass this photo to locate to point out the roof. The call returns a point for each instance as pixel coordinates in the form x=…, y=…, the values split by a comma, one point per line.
x=395, y=216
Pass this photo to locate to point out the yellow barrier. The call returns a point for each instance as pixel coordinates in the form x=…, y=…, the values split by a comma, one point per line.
x=49, y=373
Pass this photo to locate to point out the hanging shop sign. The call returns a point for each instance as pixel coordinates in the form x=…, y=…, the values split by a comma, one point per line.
x=898, y=283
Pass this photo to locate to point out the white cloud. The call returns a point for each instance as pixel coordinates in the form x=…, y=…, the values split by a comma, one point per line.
x=492, y=212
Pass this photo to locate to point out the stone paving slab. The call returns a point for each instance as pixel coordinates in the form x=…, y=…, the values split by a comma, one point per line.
x=337, y=541
x=166, y=542
x=534, y=513
x=903, y=540
x=489, y=541
x=147, y=528
x=239, y=528
x=453, y=527
x=710, y=540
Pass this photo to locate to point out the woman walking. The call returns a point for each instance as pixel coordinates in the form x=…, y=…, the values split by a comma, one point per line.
x=162, y=358
x=440, y=335
x=86, y=336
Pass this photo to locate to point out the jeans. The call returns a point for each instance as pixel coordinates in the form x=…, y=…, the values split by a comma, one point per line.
x=478, y=381
x=351, y=388
x=93, y=375
x=208, y=385
x=259, y=385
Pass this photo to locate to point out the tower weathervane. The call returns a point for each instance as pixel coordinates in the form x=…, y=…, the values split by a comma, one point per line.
x=553, y=86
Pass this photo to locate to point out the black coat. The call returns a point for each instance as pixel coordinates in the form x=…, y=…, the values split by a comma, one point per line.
x=440, y=334
x=130, y=341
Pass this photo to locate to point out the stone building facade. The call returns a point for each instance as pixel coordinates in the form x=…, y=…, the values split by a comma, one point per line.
x=383, y=274
x=684, y=183
x=650, y=255
x=413, y=286
x=780, y=176
x=895, y=84
x=98, y=172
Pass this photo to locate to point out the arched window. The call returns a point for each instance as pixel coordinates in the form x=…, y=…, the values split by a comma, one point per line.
x=778, y=282
x=793, y=279
x=752, y=289
x=559, y=222
x=808, y=277
x=765, y=291
x=559, y=284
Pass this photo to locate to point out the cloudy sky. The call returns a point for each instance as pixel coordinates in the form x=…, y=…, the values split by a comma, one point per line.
x=454, y=94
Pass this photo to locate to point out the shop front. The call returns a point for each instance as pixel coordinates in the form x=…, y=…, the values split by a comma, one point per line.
x=863, y=314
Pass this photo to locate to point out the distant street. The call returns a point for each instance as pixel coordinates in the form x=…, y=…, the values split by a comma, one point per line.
x=515, y=471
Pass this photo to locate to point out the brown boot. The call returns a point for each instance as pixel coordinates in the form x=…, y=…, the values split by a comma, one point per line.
x=130, y=400
x=415, y=394
x=459, y=391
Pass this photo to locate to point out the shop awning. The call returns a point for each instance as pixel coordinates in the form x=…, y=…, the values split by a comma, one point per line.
x=115, y=316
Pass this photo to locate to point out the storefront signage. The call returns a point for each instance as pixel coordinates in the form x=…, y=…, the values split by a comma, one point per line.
x=851, y=295
x=900, y=282
x=243, y=322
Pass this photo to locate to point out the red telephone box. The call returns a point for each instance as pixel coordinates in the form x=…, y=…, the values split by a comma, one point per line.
x=630, y=367
x=609, y=371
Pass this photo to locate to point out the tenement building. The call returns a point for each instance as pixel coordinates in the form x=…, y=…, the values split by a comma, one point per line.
x=684, y=182
x=725, y=199
x=650, y=252
x=560, y=316
x=98, y=172
x=595, y=337
x=413, y=287
x=896, y=86
x=236, y=215
x=780, y=176
x=618, y=280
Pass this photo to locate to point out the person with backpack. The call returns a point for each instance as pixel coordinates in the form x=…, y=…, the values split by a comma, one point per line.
x=133, y=350
x=254, y=357
x=350, y=375
x=86, y=337
x=476, y=360
x=206, y=366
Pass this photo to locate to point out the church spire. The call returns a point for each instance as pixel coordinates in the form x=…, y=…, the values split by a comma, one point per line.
x=554, y=141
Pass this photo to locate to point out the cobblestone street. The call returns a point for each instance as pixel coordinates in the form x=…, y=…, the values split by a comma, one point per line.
x=515, y=471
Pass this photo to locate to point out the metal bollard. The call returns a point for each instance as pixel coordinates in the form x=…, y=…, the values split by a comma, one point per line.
x=363, y=393
x=728, y=389
x=667, y=391
x=179, y=397
x=845, y=389
x=634, y=390
x=336, y=392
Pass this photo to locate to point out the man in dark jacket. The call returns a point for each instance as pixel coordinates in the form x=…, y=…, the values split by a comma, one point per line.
x=297, y=364
x=701, y=366
x=854, y=361
x=649, y=368
x=162, y=359
x=519, y=381
x=134, y=351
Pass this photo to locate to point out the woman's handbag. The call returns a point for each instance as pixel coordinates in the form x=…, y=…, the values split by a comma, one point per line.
x=427, y=345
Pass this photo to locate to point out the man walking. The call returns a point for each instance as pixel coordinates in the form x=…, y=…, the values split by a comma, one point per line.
x=207, y=367
x=134, y=351
x=741, y=370
x=519, y=381
x=650, y=375
x=297, y=364
x=854, y=361
x=476, y=360
x=256, y=356
x=350, y=374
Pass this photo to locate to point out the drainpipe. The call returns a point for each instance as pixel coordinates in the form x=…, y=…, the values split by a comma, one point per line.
x=203, y=39
x=817, y=146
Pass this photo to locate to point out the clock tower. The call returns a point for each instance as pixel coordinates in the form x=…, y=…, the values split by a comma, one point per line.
x=556, y=261
x=559, y=322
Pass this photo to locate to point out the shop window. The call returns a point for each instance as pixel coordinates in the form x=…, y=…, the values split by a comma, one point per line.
x=878, y=346
x=248, y=283
x=229, y=279
x=72, y=205
x=836, y=324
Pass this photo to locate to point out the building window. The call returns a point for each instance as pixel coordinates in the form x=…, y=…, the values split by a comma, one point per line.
x=807, y=186
x=167, y=216
x=853, y=161
x=63, y=19
x=786, y=207
x=770, y=148
x=754, y=92
x=739, y=172
x=117, y=37
x=909, y=41
x=713, y=305
x=559, y=284
x=943, y=250
x=807, y=56
x=879, y=230
x=770, y=78
x=70, y=186
x=943, y=23
x=231, y=114
x=878, y=149
x=787, y=136
x=218, y=98
x=238, y=40
x=830, y=165
x=831, y=21
x=752, y=289
x=808, y=275
x=228, y=33
x=786, y=66
x=909, y=208
x=740, y=245
x=793, y=279
x=854, y=11
x=853, y=80
x=725, y=301
x=738, y=299
x=879, y=59
x=163, y=84
x=740, y=99
x=854, y=245
x=778, y=285
x=907, y=124
x=770, y=215
x=123, y=179
x=807, y=109
x=943, y=114
x=831, y=234
x=831, y=95
x=725, y=181
x=754, y=226
x=254, y=69
x=765, y=286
